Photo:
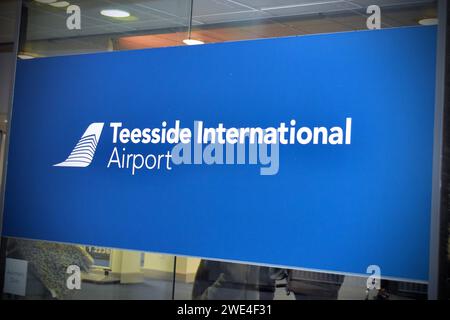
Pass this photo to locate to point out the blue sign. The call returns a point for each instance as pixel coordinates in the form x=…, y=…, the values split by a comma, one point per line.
x=309, y=152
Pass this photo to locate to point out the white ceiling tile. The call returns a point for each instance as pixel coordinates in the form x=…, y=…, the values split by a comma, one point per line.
x=300, y=9
x=214, y=7
x=383, y=3
x=231, y=17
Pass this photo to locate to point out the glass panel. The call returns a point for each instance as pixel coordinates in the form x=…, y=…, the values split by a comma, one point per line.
x=216, y=280
x=51, y=272
x=165, y=23
x=250, y=19
x=53, y=30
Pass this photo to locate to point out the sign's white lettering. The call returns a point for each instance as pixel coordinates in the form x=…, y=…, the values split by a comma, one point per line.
x=205, y=145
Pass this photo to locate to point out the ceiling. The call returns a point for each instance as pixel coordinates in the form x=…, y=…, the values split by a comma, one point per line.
x=159, y=23
x=46, y=22
x=286, y=26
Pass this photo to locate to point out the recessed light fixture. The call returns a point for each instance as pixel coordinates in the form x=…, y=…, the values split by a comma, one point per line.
x=428, y=21
x=192, y=42
x=115, y=13
x=25, y=57
x=60, y=4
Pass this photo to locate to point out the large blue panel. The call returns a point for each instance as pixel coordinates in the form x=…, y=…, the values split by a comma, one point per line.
x=329, y=207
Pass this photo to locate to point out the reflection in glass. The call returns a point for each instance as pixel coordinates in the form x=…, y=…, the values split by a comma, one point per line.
x=164, y=23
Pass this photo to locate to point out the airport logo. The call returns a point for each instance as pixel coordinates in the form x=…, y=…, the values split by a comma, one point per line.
x=201, y=144
x=83, y=153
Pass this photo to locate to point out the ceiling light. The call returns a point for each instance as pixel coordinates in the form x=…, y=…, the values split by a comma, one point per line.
x=60, y=4
x=115, y=13
x=428, y=21
x=25, y=56
x=192, y=42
